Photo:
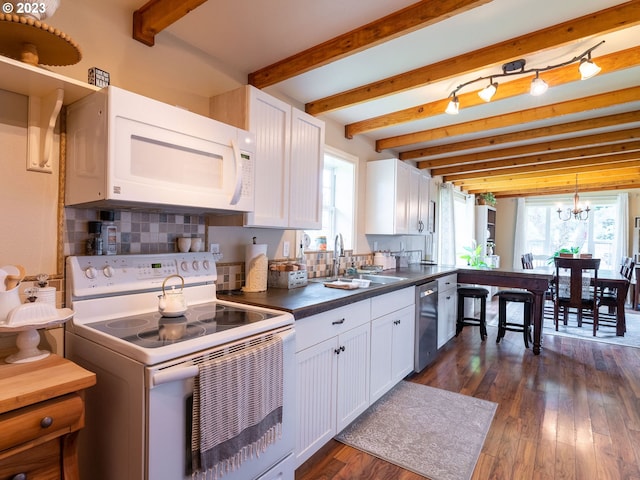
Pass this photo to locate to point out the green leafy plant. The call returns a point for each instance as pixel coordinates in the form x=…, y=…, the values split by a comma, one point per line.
x=474, y=256
x=572, y=250
x=487, y=198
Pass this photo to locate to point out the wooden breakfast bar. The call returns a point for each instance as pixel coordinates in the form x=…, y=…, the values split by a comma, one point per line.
x=535, y=281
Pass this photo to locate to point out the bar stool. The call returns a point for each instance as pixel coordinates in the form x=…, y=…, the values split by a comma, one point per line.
x=521, y=296
x=462, y=321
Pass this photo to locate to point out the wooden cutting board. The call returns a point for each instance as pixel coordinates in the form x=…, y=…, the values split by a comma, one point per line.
x=342, y=285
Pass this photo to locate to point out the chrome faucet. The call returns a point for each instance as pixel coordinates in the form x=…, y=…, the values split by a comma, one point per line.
x=338, y=251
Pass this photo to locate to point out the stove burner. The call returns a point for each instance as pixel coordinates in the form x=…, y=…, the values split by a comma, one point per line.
x=224, y=317
x=126, y=323
x=171, y=330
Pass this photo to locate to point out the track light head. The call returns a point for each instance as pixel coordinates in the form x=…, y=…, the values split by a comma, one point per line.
x=588, y=69
x=454, y=106
x=488, y=92
x=538, y=86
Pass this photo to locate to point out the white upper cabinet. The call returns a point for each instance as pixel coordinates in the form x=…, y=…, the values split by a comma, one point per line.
x=289, y=157
x=397, y=198
x=418, y=202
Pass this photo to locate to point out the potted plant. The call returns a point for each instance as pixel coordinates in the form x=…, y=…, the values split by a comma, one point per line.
x=487, y=198
x=474, y=256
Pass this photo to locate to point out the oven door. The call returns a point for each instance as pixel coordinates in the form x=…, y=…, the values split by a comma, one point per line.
x=169, y=400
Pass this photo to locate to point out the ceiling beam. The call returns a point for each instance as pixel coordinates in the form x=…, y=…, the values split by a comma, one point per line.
x=543, y=112
x=607, y=20
x=156, y=15
x=562, y=183
x=594, y=165
x=521, y=86
x=627, y=184
x=491, y=141
x=534, y=152
x=602, y=162
x=407, y=20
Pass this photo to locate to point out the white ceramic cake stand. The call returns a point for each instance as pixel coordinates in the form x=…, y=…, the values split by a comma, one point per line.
x=28, y=337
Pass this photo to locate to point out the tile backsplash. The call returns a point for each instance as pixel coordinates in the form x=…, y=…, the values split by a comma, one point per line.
x=138, y=232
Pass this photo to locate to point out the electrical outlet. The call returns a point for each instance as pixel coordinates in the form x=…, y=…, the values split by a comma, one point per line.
x=214, y=248
x=285, y=249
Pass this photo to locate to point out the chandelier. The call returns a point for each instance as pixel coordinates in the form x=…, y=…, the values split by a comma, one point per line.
x=577, y=212
x=587, y=70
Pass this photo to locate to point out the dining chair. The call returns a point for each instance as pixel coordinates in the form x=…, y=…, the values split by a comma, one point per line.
x=609, y=296
x=573, y=290
x=527, y=261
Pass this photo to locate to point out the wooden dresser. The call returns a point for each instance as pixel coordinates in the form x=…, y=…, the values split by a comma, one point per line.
x=41, y=413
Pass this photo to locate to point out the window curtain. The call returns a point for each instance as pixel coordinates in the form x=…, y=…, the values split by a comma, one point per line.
x=520, y=234
x=621, y=247
x=447, y=241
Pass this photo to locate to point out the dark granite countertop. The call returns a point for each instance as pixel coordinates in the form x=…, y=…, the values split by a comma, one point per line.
x=316, y=298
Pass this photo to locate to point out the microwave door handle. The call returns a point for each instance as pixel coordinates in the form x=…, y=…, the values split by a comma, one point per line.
x=238, y=164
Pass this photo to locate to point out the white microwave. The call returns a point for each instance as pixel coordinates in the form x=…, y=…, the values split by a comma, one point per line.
x=125, y=150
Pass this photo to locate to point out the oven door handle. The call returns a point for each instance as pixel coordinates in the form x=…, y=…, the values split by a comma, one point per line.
x=174, y=375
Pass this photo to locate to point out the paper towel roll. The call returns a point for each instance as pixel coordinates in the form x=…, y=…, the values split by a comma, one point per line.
x=256, y=266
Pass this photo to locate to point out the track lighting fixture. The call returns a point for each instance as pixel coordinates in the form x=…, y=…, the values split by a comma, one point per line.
x=538, y=86
x=587, y=69
x=454, y=105
x=489, y=91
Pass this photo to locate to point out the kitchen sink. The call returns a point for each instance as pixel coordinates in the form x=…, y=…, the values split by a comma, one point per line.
x=374, y=279
x=381, y=279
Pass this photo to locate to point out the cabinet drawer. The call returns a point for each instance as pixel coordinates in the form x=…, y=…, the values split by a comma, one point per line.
x=390, y=302
x=320, y=327
x=42, y=462
x=447, y=282
x=58, y=416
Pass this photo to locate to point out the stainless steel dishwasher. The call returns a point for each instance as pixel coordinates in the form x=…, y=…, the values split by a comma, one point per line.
x=426, y=324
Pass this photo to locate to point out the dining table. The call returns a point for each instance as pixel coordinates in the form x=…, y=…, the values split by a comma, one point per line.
x=537, y=281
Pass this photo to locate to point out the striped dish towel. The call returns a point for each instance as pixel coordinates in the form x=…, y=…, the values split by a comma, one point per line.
x=237, y=408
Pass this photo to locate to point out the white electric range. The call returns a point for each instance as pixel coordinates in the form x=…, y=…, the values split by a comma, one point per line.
x=139, y=414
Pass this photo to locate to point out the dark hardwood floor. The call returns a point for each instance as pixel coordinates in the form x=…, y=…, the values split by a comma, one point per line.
x=572, y=412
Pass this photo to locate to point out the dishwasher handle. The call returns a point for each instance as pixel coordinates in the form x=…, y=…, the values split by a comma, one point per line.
x=426, y=293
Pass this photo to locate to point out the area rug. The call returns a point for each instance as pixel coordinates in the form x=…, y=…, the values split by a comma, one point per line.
x=435, y=433
x=606, y=333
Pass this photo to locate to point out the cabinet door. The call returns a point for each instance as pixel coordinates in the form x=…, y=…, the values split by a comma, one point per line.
x=307, y=162
x=403, y=343
x=414, y=202
x=353, y=375
x=315, y=397
x=381, y=355
x=270, y=120
x=387, y=211
x=392, y=348
x=403, y=191
x=423, y=201
x=447, y=311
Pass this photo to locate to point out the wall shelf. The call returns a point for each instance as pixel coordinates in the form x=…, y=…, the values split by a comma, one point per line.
x=25, y=79
x=47, y=92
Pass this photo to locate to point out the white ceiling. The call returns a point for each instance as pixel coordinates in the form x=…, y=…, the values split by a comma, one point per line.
x=247, y=35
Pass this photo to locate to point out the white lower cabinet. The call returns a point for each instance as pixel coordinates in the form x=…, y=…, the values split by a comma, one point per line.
x=392, y=340
x=332, y=387
x=447, y=308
